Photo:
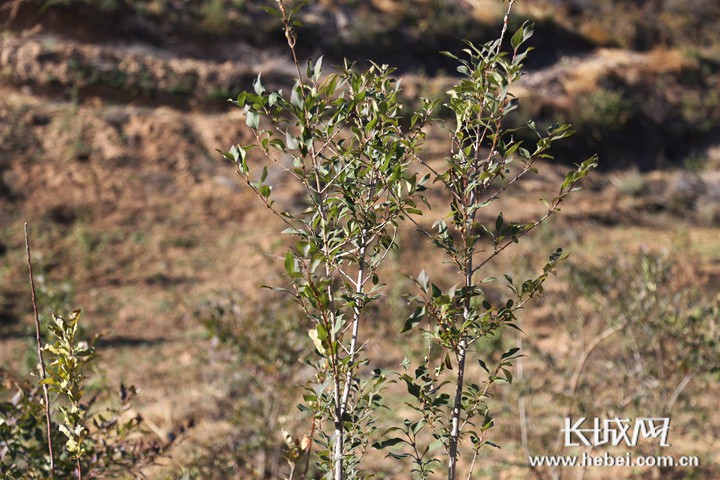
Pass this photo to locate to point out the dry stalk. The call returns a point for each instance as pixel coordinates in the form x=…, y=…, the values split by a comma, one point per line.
x=38, y=343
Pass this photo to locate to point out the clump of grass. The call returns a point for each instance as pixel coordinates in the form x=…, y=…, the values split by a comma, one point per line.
x=215, y=16
x=630, y=182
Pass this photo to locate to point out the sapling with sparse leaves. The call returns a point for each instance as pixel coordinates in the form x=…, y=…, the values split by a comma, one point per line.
x=484, y=162
x=339, y=137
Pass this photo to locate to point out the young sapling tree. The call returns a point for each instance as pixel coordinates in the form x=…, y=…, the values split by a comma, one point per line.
x=477, y=174
x=340, y=138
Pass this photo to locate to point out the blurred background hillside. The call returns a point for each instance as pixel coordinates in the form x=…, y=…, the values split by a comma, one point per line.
x=111, y=115
x=638, y=79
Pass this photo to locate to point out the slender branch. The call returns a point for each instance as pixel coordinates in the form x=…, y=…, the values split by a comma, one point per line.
x=678, y=390
x=517, y=177
x=335, y=177
x=506, y=21
x=575, y=379
x=309, y=449
x=484, y=393
x=481, y=138
x=382, y=257
x=291, y=40
x=346, y=276
x=38, y=342
x=267, y=203
x=530, y=227
x=437, y=174
x=472, y=464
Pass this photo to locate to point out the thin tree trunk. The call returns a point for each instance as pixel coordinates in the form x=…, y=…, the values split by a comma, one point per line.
x=455, y=432
x=461, y=352
x=351, y=359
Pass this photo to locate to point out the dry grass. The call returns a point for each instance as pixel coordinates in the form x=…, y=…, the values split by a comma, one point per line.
x=135, y=209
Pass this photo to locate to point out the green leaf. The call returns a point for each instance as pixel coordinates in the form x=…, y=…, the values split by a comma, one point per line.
x=272, y=11
x=415, y=318
x=522, y=35
x=483, y=365
x=291, y=141
x=418, y=426
x=258, y=86
x=399, y=456
x=449, y=55
x=317, y=70
x=412, y=388
x=512, y=325
x=423, y=280
x=252, y=119
x=436, y=445
x=314, y=335
x=516, y=39
x=448, y=362
x=290, y=265
x=296, y=97
x=240, y=101
x=298, y=6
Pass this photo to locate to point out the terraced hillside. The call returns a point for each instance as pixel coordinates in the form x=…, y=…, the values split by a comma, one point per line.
x=112, y=113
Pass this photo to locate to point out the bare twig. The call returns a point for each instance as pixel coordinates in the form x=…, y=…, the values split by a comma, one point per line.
x=12, y=8
x=309, y=449
x=472, y=464
x=583, y=467
x=291, y=39
x=521, y=402
x=575, y=380
x=522, y=407
x=678, y=390
x=38, y=342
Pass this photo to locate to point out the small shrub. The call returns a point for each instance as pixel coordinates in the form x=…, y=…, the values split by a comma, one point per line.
x=97, y=442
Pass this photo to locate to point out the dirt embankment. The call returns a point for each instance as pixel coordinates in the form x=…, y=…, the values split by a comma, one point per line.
x=91, y=110
x=650, y=108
